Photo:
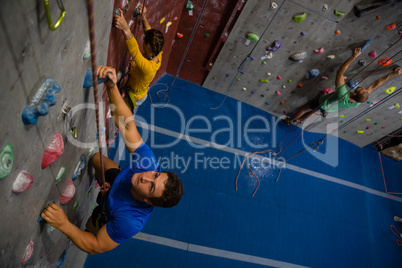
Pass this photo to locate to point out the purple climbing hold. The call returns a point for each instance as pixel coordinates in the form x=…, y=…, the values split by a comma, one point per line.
x=252, y=58
x=275, y=46
x=372, y=54
x=252, y=92
x=302, y=33
x=227, y=75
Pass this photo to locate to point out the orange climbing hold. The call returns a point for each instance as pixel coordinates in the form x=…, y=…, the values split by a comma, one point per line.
x=337, y=32
x=391, y=26
x=378, y=17
x=385, y=62
x=299, y=85
x=282, y=103
x=179, y=35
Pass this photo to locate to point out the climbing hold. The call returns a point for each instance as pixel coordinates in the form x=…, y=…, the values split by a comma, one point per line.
x=264, y=62
x=80, y=166
x=337, y=32
x=60, y=175
x=73, y=132
x=62, y=258
x=367, y=127
x=352, y=84
x=397, y=105
x=273, y=5
x=331, y=57
x=238, y=79
x=262, y=96
x=22, y=183
x=302, y=33
x=264, y=80
x=227, y=75
x=278, y=93
x=252, y=37
x=319, y=51
x=242, y=72
x=87, y=50
x=359, y=131
x=282, y=103
x=268, y=73
x=244, y=89
x=88, y=82
x=190, y=7
x=326, y=91
x=214, y=77
x=362, y=62
x=299, y=85
x=285, y=112
x=324, y=7
x=206, y=34
x=267, y=103
x=68, y=193
x=339, y=13
x=324, y=78
x=365, y=45
x=252, y=58
x=344, y=131
x=175, y=19
x=341, y=121
x=382, y=127
x=378, y=17
x=283, y=86
x=368, y=119
x=385, y=62
x=54, y=150
x=391, y=26
x=40, y=103
x=162, y=20
x=179, y=35
x=6, y=160
x=274, y=46
x=368, y=102
x=167, y=26
x=299, y=18
x=341, y=116
x=372, y=54
x=28, y=252
x=312, y=73
x=375, y=123
x=252, y=92
x=289, y=80
x=269, y=55
x=390, y=90
x=299, y=56
x=278, y=77
x=76, y=203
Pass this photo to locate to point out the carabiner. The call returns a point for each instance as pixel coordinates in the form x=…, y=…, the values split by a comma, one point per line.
x=49, y=16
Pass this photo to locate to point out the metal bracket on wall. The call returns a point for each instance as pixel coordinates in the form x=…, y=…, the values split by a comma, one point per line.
x=49, y=15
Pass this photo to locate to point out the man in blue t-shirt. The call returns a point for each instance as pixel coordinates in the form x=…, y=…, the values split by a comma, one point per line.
x=341, y=98
x=128, y=196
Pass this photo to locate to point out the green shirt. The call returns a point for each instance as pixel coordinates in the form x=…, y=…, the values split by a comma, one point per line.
x=329, y=101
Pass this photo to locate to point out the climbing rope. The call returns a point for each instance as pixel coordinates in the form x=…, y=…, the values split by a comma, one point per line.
x=248, y=57
x=91, y=24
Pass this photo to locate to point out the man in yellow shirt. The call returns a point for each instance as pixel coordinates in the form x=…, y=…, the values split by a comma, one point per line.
x=145, y=64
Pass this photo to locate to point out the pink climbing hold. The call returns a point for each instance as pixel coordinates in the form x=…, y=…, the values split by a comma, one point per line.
x=285, y=112
x=22, y=183
x=278, y=77
x=324, y=78
x=68, y=193
x=373, y=54
x=277, y=92
x=382, y=127
x=54, y=150
x=367, y=127
x=319, y=51
x=28, y=252
x=326, y=91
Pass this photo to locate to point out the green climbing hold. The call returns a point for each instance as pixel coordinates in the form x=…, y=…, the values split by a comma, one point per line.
x=238, y=79
x=206, y=34
x=89, y=193
x=264, y=62
x=214, y=77
x=76, y=203
x=252, y=37
x=344, y=131
x=368, y=102
x=341, y=121
x=189, y=5
x=60, y=175
x=264, y=80
x=390, y=90
x=289, y=80
x=299, y=18
x=6, y=160
x=339, y=13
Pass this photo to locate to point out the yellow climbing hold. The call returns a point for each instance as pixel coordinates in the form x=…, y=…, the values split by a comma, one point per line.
x=397, y=105
x=162, y=20
x=390, y=90
x=368, y=120
x=168, y=24
x=339, y=13
x=360, y=131
x=341, y=115
x=264, y=80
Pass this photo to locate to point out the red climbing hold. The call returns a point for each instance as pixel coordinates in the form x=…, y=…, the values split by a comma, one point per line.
x=278, y=77
x=337, y=32
x=324, y=78
x=385, y=62
x=22, y=183
x=68, y=193
x=382, y=127
x=367, y=127
x=391, y=26
x=285, y=112
x=373, y=54
x=28, y=252
x=54, y=150
x=179, y=35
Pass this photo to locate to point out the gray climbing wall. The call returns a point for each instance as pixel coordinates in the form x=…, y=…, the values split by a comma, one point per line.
x=319, y=27
x=30, y=52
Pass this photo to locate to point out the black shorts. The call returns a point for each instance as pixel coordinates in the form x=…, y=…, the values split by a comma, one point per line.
x=98, y=215
x=314, y=104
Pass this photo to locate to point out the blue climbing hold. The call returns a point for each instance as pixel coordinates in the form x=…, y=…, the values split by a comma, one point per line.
x=365, y=45
x=312, y=73
x=352, y=84
x=61, y=260
x=80, y=166
x=39, y=105
x=88, y=82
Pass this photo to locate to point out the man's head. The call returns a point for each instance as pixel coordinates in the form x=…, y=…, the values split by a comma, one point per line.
x=161, y=189
x=360, y=95
x=155, y=40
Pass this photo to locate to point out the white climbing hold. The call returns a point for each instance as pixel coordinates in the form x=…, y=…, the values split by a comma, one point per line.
x=331, y=57
x=244, y=89
x=268, y=73
x=22, y=183
x=28, y=252
x=283, y=86
x=324, y=7
x=273, y=5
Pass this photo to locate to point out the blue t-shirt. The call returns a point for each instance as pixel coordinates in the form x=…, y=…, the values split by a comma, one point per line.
x=126, y=215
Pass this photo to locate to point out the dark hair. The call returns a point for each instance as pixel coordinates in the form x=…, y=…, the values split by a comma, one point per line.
x=154, y=38
x=172, y=193
x=362, y=96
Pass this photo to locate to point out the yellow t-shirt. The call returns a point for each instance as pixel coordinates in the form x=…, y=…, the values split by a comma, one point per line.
x=142, y=71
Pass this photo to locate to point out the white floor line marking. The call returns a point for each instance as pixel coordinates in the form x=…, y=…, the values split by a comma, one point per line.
x=214, y=251
x=244, y=153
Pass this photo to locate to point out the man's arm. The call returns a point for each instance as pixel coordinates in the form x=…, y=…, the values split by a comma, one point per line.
x=91, y=244
x=342, y=69
x=123, y=117
x=382, y=80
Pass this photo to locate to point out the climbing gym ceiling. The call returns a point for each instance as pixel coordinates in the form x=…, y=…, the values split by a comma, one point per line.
x=326, y=32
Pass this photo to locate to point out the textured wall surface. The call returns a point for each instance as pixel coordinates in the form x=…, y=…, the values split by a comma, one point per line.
x=30, y=53
x=319, y=27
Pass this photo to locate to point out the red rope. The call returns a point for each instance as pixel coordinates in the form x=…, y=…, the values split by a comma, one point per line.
x=383, y=176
